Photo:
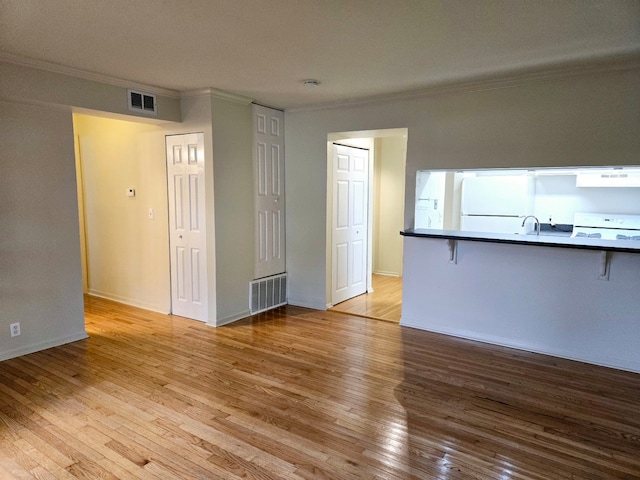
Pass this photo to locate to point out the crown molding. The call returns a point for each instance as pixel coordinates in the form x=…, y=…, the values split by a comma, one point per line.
x=84, y=74
x=216, y=93
x=200, y=92
x=35, y=103
x=498, y=80
x=506, y=79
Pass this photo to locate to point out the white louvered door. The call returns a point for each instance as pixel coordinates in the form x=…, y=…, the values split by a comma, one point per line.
x=268, y=153
x=187, y=232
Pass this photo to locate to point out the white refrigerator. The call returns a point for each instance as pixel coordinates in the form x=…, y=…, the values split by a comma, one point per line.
x=496, y=204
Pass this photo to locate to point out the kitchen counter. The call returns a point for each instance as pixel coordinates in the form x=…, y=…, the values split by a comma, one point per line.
x=545, y=239
x=578, y=301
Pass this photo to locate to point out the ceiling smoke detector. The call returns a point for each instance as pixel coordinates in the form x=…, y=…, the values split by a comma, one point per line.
x=311, y=82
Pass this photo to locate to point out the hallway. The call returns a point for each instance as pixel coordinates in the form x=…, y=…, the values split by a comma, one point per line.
x=385, y=303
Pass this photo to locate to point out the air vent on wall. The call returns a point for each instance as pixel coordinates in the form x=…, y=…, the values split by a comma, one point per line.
x=267, y=293
x=142, y=102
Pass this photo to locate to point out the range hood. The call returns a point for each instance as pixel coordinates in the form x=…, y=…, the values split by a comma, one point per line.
x=618, y=177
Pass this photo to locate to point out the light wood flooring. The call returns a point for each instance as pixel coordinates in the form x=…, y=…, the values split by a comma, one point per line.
x=297, y=393
x=384, y=303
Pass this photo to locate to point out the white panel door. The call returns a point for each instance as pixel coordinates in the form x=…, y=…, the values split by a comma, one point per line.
x=187, y=232
x=268, y=153
x=350, y=222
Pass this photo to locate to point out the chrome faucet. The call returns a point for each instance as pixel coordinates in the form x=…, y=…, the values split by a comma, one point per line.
x=537, y=222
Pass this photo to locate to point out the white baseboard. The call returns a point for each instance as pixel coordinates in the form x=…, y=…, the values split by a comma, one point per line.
x=584, y=357
x=231, y=318
x=27, y=349
x=295, y=303
x=132, y=302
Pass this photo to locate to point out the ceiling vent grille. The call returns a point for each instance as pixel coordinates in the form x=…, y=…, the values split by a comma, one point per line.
x=142, y=102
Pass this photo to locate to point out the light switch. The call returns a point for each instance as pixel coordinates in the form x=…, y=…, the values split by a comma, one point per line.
x=150, y=214
x=131, y=192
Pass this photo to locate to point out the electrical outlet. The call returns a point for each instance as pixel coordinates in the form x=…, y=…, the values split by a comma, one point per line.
x=15, y=329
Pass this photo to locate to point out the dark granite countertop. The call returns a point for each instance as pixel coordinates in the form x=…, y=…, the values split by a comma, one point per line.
x=545, y=239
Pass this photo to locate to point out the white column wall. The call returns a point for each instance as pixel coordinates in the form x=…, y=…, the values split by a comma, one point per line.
x=234, y=207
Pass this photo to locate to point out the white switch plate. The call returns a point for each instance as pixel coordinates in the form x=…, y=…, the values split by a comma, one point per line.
x=15, y=329
x=131, y=192
x=150, y=214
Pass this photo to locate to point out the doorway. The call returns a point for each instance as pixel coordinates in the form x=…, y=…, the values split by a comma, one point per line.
x=122, y=196
x=384, y=302
x=385, y=210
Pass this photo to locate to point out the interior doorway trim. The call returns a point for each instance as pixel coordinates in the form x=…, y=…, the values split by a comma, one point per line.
x=358, y=139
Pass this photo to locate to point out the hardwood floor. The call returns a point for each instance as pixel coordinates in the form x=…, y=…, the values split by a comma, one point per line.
x=298, y=393
x=385, y=303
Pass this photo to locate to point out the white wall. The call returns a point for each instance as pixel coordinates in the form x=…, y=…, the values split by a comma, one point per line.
x=389, y=205
x=41, y=87
x=41, y=282
x=573, y=121
x=232, y=154
x=127, y=252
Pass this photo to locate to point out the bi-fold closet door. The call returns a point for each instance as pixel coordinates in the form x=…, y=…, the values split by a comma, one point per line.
x=268, y=152
x=187, y=228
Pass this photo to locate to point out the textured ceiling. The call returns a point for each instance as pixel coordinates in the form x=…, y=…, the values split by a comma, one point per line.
x=263, y=49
